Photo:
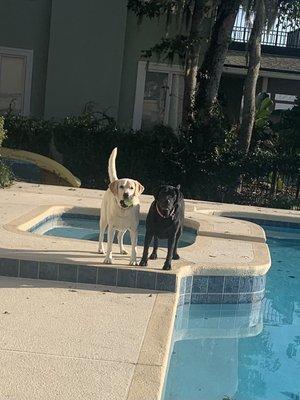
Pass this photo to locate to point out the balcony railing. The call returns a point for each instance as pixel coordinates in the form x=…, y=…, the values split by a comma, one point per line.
x=282, y=35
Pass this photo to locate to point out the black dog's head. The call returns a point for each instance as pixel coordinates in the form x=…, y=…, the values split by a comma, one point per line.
x=167, y=197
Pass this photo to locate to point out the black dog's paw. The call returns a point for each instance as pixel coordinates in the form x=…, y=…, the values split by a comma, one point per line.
x=167, y=266
x=143, y=263
x=176, y=256
x=153, y=256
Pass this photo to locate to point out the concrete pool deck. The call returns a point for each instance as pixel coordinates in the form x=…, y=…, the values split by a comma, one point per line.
x=67, y=344
x=58, y=340
x=228, y=245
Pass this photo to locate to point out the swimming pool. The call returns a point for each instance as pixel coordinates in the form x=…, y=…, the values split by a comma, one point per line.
x=86, y=227
x=243, y=351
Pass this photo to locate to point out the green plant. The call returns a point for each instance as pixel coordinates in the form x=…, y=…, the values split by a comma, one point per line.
x=27, y=133
x=204, y=159
x=2, y=130
x=5, y=173
x=264, y=109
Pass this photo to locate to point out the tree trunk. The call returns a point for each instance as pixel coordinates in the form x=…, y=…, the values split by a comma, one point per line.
x=211, y=70
x=248, y=113
x=273, y=189
x=201, y=9
x=298, y=187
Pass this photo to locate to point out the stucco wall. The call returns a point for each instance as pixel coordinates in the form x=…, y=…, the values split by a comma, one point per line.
x=85, y=56
x=25, y=25
x=142, y=37
x=284, y=86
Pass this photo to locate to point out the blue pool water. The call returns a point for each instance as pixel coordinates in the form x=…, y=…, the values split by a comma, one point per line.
x=86, y=227
x=245, y=351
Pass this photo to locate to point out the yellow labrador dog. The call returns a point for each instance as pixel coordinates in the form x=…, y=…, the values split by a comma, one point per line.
x=119, y=212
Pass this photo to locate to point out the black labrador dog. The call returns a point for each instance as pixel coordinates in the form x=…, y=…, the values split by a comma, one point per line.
x=164, y=221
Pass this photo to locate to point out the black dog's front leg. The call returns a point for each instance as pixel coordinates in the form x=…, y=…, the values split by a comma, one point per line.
x=171, y=244
x=153, y=256
x=175, y=254
x=148, y=238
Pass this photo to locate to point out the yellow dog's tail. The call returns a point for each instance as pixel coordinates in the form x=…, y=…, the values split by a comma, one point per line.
x=112, y=172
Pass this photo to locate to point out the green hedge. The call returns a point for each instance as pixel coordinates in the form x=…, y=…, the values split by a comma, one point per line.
x=87, y=141
x=204, y=160
x=5, y=173
x=31, y=134
x=6, y=176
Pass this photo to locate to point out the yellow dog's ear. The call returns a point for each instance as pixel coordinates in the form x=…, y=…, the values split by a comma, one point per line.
x=138, y=188
x=114, y=187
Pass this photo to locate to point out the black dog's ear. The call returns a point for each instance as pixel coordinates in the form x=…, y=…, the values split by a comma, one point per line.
x=156, y=191
x=179, y=193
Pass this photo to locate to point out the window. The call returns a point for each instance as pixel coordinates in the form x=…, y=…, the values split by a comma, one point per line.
x=159, y=95
x=284, y=101
x=15, y=80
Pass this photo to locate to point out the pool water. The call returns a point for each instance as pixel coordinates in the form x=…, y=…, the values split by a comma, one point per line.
x=86, y=227
x=245, y=351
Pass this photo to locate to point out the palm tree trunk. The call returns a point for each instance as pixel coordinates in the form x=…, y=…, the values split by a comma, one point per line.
x=211, y=70
x=248, y=113
x=201, y=9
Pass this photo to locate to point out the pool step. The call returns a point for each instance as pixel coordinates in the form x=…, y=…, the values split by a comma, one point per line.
x=107, y=275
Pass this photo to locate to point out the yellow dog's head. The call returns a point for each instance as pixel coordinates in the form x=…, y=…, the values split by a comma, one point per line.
x=126, y=190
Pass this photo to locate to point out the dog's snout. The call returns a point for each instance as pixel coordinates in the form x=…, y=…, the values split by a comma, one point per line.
x=126, y=195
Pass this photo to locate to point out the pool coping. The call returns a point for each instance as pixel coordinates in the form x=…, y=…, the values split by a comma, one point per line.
x=206, y=233
x=154, y=352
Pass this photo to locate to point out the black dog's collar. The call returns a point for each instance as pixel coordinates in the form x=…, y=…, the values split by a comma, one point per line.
x=172, y=213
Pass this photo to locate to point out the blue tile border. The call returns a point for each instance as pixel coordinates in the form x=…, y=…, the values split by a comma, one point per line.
x=111, y=276
x=48, y=271
x=267, y=222
x=9, y=267
x=166, y=282
x=146, y=280
x=126, y=277
x=29, y=269
x=193, y=289
x=231, y=284
x=87, y=274
x=222, y=289
x=215, y=284
x=107, y=276
x=200, y=284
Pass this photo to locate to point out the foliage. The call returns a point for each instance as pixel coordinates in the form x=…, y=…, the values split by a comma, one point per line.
x=168, y=48
x=31, y=134
x=86, y=142
x=5, y=173
x=264, y=109
x=2, y=130
x=204, y=159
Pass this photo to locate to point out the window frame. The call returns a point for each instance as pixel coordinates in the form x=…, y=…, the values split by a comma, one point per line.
x=143, y=68
x=28, y=56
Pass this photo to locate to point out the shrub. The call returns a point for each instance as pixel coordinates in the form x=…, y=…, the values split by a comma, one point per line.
x=31, y=134
x=87, y=140
x=5, y=173
x=2, y=131
x=204, y=159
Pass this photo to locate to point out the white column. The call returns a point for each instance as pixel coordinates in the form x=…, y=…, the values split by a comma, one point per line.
x=265, y=81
